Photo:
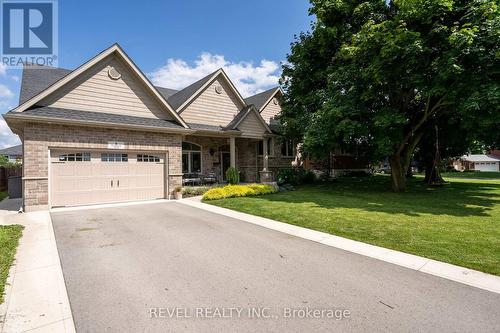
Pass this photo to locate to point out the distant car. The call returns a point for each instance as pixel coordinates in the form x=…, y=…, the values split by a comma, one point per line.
x=384, y=169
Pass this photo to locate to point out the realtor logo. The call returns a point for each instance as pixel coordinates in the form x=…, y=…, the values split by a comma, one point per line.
x=29, y=32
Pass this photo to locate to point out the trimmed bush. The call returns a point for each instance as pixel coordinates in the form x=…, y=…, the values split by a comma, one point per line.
x=233, y=191
x=232, y=176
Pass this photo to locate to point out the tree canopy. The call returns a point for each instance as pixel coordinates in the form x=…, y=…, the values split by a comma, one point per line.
x=377, y=76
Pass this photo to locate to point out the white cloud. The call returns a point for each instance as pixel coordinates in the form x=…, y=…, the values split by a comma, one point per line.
x=7, y=138
x=248, y=78
x=3, y=69
x=5, y=92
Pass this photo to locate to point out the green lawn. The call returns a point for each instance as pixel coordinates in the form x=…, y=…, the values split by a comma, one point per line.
x=472, y=175
x=3, y=195
x=9, y=238
x=458, y=223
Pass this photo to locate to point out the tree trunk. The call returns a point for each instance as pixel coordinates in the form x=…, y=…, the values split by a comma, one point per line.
x=409, y=172
x=432, y=168
x=397, y=173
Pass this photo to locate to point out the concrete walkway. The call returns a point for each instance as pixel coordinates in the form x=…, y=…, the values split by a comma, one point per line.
x=36, y=298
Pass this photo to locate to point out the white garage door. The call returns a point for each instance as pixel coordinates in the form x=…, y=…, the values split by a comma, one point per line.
x=90, y=177
x=486, y=166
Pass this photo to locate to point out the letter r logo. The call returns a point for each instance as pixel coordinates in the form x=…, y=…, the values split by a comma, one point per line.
x=27, y=27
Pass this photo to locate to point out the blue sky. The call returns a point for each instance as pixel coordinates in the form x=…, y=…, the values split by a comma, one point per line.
x=176, y=42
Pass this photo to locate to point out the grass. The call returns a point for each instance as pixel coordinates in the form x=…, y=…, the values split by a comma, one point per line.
x=472, y=175
x=458, y=223
x=9, y=238
x=3, y=195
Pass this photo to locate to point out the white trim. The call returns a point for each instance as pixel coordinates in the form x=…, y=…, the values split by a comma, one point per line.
x=49, y=181
x=207, y=84
x=115, y=48
x=448, y=271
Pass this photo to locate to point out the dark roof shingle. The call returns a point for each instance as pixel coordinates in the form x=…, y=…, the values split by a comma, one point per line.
x=12, y=151
x=259, y=99
x=51, y=113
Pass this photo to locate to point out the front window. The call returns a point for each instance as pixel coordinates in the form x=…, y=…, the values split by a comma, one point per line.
x=270, y=147
x=191, y=158
x=288, y=148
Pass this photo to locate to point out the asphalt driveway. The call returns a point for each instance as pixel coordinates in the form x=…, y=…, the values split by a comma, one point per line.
x=171, y=267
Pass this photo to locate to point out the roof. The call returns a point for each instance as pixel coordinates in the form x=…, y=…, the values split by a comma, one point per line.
x=57, y=114
x=261, y=99
x=38, y=78
x=39, y=82
x=166, y=92
x=242, y=115
x=481, y=158
x=12, y=151
x=183, y=95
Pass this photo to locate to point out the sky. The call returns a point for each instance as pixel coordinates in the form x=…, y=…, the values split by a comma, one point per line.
x=175, y=42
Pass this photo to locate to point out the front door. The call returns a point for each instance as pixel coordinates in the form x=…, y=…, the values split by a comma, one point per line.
x=226, y=162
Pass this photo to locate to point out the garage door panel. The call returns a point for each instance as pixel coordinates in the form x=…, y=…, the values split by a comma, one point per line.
x=99, y=181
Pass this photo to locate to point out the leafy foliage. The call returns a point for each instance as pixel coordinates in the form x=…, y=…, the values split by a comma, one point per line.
x=232, y=176
x=375, y=76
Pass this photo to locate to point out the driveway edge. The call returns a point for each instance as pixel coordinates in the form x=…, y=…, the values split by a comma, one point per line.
x=444, y=270
x=37, y=298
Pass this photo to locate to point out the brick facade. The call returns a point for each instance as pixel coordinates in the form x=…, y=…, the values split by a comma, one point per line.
x=39, y=138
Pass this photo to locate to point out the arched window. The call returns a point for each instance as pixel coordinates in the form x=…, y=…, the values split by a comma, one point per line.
x=191, y=157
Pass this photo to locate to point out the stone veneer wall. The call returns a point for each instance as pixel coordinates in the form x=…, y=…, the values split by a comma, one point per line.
x=38, y=138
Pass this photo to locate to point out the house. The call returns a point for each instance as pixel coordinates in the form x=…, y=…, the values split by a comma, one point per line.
x=14, y=153
x=478, y=162
x=104, y=133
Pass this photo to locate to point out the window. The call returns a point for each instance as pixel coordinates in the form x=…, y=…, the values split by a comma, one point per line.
x=191, y=158
x=270, y=147
x=147, y=158
x=114, y=157
x=288, y=149
x=75, y=157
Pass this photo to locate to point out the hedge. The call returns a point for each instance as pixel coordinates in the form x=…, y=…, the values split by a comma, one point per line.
x=232, y=191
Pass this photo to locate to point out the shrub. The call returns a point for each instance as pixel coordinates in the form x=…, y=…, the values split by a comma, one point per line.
x=232, y=176
x=194, y=191
x=232, y=191
x=296, y=176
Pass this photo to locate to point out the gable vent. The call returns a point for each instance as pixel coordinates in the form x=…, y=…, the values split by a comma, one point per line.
x=113, y=73
x=218, y=88
x=275, y=101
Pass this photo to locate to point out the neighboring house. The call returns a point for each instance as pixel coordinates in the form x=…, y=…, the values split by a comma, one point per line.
x=14, y=153
x=104, y=133
x=478, y=162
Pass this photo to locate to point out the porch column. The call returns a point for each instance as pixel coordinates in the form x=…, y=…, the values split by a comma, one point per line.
x=232, y=151
x=265, y=150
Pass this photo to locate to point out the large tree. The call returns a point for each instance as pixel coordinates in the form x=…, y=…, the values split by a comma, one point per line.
x=377, y=75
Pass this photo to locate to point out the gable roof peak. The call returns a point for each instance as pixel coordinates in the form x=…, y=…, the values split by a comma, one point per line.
x=261, y=99
x=113, y=49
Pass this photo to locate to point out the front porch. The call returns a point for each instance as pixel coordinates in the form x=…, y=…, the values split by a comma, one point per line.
x=205, y=160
